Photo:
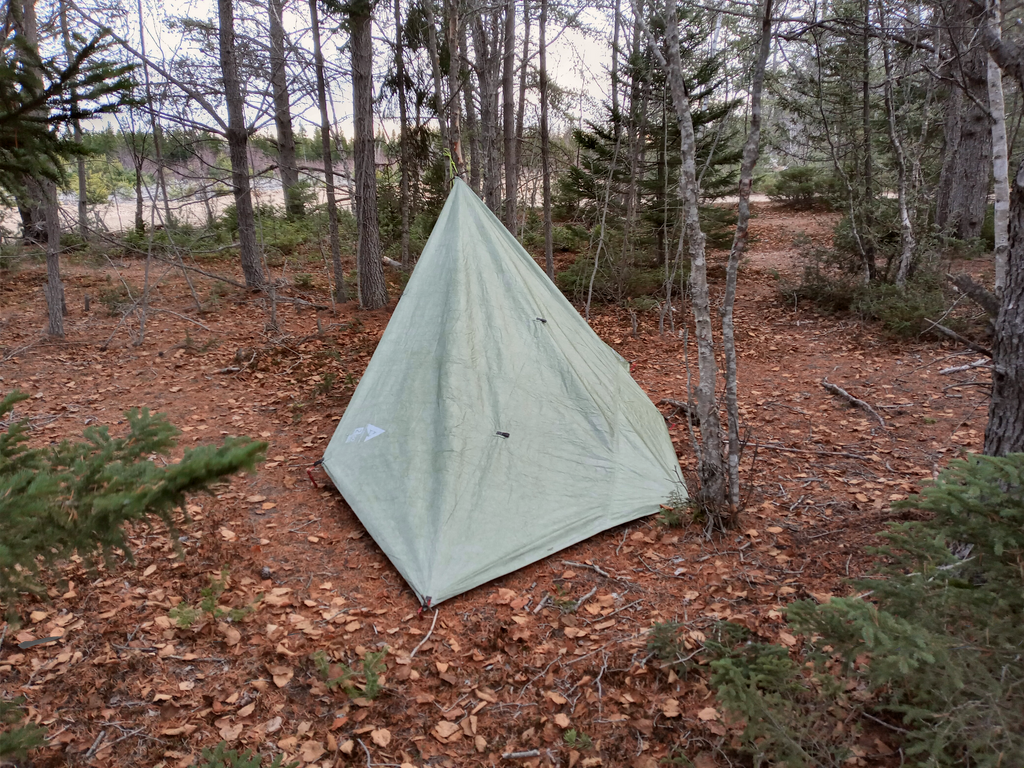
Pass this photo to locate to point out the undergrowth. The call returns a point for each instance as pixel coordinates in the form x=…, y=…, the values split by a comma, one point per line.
x=343, y=676
x=936, y=653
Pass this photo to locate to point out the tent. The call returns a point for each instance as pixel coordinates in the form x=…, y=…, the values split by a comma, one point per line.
x=492, y=426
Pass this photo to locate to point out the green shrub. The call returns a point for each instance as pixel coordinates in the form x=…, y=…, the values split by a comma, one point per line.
x=222, y=757
x=343, y=676
x=16, y=736
x=76, y=497
x=938, y=647
x=801, y=186
x=185, y=615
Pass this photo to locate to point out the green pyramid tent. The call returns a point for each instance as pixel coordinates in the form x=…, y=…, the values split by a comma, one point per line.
x=492, y=426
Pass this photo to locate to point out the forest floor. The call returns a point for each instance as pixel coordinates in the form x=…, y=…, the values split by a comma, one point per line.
x=121, y=684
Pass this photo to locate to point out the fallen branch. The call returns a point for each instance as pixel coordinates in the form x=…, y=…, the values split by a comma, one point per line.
x=976, y=292
x=426, y=636
x=591, y=567
x=969, y=366
x=852, y=400
x=837, y=454
x=521, y=755
x=957, y=337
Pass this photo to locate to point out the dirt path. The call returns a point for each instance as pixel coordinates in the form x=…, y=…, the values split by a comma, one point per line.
x=496, y=675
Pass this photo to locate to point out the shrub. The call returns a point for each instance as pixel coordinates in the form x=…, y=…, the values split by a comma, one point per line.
x=75, y=497
x=222, y=757
x=16, y=736
x=938, y=647
x=343, y=676
x=801, y=186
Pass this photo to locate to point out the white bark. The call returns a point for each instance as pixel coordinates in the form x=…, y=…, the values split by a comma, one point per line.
x=1000, y=160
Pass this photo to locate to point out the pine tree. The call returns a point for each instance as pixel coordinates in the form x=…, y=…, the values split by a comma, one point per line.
x=77, y=496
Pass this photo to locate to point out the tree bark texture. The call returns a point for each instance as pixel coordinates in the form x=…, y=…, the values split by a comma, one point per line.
x=967, y=158
x=711, y=468
x=238, y=144
x=435, y=71
x=509, y=115
x=487, y=73
x=521, y=107
x=751, y=152
x=403, y=122
x=373, y=292
x=287, y=166
x=83, y=224
x=454, y=87
x=545, y=143
x=340, y=292
x=1000, y=159
x=1005, y=430
x=472, y=128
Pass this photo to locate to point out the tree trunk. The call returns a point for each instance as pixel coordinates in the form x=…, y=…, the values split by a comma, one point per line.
x=867, y=207
x=287, y=165
x=435, y=70
x=340, y=293
x=471, y=121
x=751, y=152
x=521, y=108
x=616, y=25
x=83, y=224
x=711, y=469
x=961, y=198
x=140, y=222
x=238, y=144
x=509, y=115
x=545, y=142
x=54, y=289
x=154, y=125
x=373, y=293
x=1000, y=161
x=454, y=85
x=486, y=58
x=907, y=242
x=403, y=119
x=1005, y=430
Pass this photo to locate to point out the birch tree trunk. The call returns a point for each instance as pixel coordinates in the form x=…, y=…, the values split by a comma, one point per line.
x=509, y=115
x=751, y=152
x=711, y=469
x=868, y=203
x=238, y=142
x=545, y=143
x=340, y=292
x=907, y=241
x=403, y=119
x=287, y=166
x=1000, y=159
x=373, y=292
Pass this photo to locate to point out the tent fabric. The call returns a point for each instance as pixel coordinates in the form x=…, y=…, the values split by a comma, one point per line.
x=492, y=426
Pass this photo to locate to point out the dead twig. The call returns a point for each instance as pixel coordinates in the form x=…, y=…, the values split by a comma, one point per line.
x=837, y=454
x=957, y=337
x=968, y=367
x=591, y=567
x=836, y=390
x=426, y=636
x=96, y=745
x=521, y=755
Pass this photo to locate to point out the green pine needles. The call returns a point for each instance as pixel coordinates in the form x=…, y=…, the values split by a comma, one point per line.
x=934, y=647
x=77, y=496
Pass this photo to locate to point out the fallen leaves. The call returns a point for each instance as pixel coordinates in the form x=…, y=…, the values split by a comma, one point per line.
x=281, y=675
